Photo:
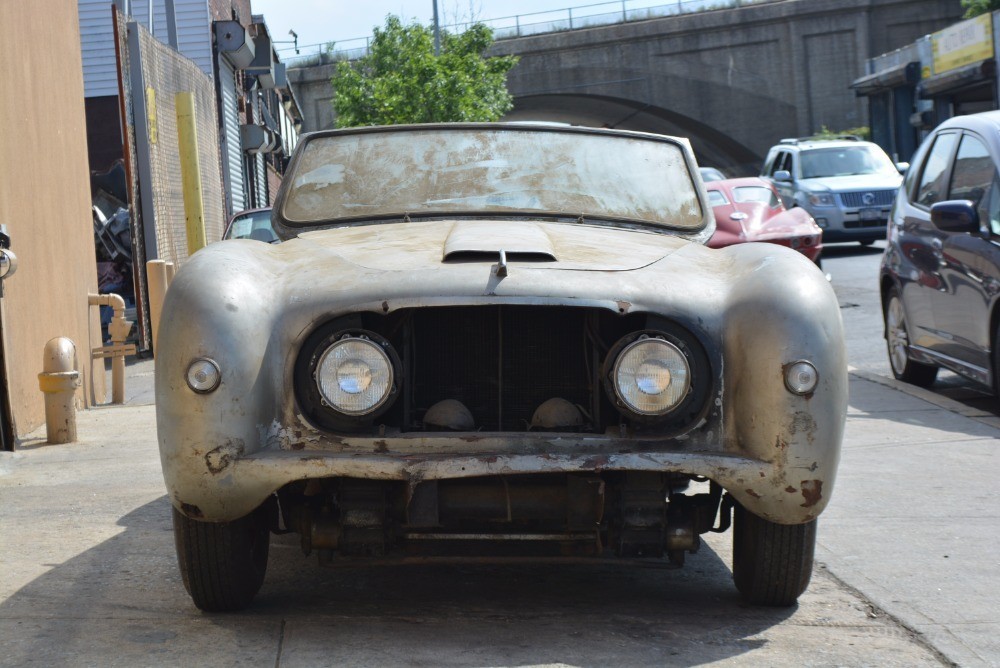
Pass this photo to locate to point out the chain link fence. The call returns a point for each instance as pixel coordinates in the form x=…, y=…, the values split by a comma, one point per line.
x=150, y=76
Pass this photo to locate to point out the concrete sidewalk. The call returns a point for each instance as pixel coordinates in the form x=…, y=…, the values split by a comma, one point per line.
x=88, y=573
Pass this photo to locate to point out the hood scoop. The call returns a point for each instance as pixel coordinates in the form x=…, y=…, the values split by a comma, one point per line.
x=478, y=241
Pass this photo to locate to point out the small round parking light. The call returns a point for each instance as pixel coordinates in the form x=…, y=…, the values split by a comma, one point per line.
x=203, y=375
x=801, y=377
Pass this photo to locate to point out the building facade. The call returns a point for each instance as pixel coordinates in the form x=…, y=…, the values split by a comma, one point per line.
x=947, y=73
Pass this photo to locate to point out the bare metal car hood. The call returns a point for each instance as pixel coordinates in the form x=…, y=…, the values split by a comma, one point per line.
x=414, y=245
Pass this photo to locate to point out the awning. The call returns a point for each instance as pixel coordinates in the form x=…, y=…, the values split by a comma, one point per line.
x=982, y=72
x=907, y=74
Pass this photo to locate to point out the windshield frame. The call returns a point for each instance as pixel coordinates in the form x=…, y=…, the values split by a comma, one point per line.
x=700, y=231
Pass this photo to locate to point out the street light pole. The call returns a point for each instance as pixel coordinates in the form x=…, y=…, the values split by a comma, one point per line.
x=437, y=31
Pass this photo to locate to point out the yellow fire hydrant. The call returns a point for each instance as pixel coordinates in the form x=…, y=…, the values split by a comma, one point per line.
x=59, y=380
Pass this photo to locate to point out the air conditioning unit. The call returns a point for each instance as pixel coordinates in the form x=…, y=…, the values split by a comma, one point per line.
x=258, y=139
x=235, y=43
x=274, y=78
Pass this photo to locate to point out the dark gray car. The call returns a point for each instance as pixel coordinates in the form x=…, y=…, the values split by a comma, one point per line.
x=940, y=275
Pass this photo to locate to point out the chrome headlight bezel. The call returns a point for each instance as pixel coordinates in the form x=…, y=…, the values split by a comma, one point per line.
x=658, y=365
x=316, y=405
x=693, y=393
x=354, y=360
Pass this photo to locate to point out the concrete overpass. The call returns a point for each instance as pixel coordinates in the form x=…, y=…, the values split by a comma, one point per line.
x=732, y=80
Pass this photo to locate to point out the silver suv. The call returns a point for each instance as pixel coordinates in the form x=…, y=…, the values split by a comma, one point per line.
x=846, y=184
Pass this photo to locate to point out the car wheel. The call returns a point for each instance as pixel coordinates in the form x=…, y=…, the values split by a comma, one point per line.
x=772, y=563
x=222, y=564
x=897, y=340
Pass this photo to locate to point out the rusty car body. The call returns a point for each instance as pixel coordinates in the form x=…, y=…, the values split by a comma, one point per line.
x=749, y=209
x=497, y=339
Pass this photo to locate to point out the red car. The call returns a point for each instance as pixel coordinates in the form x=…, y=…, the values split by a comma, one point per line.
x=749, y=209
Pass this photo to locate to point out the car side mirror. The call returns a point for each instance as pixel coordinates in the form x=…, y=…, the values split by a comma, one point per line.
x=901, y=167
x=957, y=215
x=782, y=175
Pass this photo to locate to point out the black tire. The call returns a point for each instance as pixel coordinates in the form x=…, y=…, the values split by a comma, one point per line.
x=897, y=339
x=223, y=564
x=772, y=563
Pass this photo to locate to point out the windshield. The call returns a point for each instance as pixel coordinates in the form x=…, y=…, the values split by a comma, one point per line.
x=254, y=225
x=756, y=194
x=491, y=170
x=845, y=161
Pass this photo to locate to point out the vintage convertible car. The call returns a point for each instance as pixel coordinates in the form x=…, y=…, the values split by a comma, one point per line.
x=749, y=209
x=497, y=339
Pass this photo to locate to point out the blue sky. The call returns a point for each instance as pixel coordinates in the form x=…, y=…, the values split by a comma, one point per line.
x=321, y=21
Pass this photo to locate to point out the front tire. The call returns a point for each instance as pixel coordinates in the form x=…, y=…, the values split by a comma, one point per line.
x=772, y=563
x=223, y=564
x=897, y=341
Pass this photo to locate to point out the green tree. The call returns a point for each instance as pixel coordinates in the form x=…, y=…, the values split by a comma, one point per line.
x=402, y=81
x=977, y=7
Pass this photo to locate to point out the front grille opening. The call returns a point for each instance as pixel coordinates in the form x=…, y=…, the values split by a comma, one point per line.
x=494, y=366
x=502, y=362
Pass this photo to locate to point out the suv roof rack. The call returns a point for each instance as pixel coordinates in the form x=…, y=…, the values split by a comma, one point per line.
x=796, y=140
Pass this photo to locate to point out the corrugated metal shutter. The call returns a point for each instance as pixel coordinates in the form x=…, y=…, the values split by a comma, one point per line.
x=194, y=27
x=261, y=180
x=231, y=149
x=97, y=46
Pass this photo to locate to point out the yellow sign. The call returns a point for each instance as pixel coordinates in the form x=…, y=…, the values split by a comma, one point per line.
x=963, y=43
x=151, y=113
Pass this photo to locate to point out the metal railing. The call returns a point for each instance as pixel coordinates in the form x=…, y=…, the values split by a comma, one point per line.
x=524, y=25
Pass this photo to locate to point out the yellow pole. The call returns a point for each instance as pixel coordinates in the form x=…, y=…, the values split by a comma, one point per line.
x=194, y=204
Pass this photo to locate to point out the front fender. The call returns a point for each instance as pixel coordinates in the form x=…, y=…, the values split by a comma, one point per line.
x=782, y=310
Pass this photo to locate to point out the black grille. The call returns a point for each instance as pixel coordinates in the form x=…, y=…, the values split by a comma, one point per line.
x=502, y=362
x=857, y=199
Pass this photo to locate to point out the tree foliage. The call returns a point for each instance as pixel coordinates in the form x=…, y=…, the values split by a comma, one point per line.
x=977, y=7
x=402, y=81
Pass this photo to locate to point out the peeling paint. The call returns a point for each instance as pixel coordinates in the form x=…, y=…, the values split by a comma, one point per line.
x=221, y=457
x=791, y=490
x=812, y=492
x=753, y=493
x=805, y=423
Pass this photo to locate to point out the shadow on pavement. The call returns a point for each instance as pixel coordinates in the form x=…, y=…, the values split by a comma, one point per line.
x=121, y=602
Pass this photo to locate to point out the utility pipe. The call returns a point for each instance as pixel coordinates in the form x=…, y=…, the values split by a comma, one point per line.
x=59, y=380
x=118, y=329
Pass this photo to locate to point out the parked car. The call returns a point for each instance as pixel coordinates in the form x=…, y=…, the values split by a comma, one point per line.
x=251, y=224
x=710, y=174
x=497, y=339
x=847, y=185
x=940, y=273
x=749, y=209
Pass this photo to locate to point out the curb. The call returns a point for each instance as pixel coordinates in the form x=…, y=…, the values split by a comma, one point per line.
x=930, y=397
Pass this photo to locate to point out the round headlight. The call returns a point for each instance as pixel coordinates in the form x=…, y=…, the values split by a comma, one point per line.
x=801, y=377
x=354, y=376
x=651, y=376
x=203, y=375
